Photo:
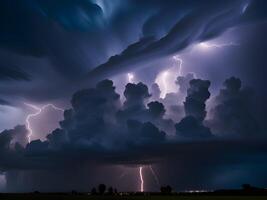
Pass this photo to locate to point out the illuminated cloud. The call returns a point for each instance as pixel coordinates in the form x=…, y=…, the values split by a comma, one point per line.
x=38, y=112
x=205, y=46
x=166, y=79
x=130, y=77
x=160, y=121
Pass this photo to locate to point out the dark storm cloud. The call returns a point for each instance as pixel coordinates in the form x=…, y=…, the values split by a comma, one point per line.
x=81, y=15
x=190, y=127
x=93, y=135
x=57, y=40
x=17, y=135
x=19, y=21
x=195, y=110
x=205, y=160
x=195, y=26
x=21, y=28
x=156, y=113
x=67, y=34
x=49, y=36
x=134, y=106
x=4, y=102
x=183, y=82
x=37, y=155
x=197, y=94
x=13, y=73
x=93, y=111
x=135, y=94
x=99, y=129
x=156, y=109
x=91, y=130
x=233, y=111
x=5, y=140
x=12, y=143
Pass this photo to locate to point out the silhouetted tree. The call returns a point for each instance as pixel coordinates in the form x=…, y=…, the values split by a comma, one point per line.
x=166, y=189
x=74, y=192
x=246, y=186
x=101, y=188
x=110, y=191
x=93, y=191
x=169, y=189
x=115, y=191
x=163, y=189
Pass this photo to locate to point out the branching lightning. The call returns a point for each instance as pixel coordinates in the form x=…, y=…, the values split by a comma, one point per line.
x=141, y=179
x=38, y=111
x=166, y=79
x=155, y=175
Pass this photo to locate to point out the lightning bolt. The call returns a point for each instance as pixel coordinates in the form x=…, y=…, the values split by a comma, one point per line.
x=164, y=78
x=141, y=179
x=155, y=175
x=38, y=111
x=203, y=46
x=177, y=58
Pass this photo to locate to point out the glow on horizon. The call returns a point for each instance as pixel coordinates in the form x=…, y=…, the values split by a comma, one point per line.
x=38, y=111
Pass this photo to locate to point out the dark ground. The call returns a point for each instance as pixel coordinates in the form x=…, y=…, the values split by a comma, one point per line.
x=152, y=197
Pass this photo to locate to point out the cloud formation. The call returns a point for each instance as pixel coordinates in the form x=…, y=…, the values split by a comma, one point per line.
x=98, y=124
x=47, y=49
x=233, y=113
x=13, y=73
x=191, y=27
x=195, y=110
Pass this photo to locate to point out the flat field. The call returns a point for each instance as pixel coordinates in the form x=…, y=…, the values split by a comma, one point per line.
x=84, y=197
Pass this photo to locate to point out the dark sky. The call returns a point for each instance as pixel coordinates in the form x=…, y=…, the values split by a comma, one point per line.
x=92, y=91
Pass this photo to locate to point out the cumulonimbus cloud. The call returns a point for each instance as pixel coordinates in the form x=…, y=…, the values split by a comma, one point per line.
x=194, y=27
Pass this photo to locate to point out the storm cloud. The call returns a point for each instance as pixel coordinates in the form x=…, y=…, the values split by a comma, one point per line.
x=233, y=113
x=78, y=55
x=92, y=132
x=191, y=27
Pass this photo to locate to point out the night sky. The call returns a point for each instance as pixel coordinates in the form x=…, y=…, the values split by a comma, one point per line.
x=132, y=93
